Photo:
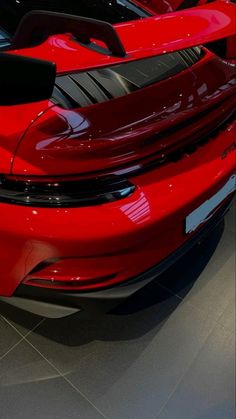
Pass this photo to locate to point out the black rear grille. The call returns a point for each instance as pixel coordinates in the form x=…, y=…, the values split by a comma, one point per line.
x=83, y=89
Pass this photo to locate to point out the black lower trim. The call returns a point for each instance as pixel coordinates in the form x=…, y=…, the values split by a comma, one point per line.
x=107, y=299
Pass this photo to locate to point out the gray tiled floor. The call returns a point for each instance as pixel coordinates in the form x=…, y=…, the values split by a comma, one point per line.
x=168, y=353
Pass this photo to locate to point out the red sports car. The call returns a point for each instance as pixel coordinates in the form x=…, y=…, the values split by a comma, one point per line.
x=113, y=169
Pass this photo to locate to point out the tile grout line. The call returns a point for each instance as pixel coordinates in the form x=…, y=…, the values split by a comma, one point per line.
x=11, y=349
x=195, y=307
x=65, y=378
x=184, y=374
x=34, y=328
x=170, y=291
x=20, y=334
x=78, y=391
x=24, y=338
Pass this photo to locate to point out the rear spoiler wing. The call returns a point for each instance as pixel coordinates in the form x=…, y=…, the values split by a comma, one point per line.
x=180, y=30
x=128, y=41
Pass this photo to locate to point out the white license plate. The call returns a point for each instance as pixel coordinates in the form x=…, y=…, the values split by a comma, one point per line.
x=206, y=210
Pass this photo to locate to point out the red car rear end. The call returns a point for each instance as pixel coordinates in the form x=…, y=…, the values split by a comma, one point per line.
x=129, y=164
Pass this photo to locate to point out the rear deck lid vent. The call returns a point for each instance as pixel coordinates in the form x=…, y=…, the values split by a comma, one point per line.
x=83, y=89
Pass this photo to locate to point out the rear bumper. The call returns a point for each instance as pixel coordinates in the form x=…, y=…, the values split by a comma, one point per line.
x=119, y=241
x=56, y=304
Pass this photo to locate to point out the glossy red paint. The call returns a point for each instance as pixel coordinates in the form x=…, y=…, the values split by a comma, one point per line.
x=14, y=121
x=122, y=238
x=82, y=141
x=100, y=246
x=167, y=6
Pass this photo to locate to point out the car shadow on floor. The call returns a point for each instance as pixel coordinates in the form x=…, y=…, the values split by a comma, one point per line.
x=145, y=311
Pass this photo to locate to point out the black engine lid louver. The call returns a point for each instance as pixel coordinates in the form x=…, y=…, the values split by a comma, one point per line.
x=83, y=89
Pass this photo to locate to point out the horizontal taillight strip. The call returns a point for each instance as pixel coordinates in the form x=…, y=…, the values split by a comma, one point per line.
x=58, y=193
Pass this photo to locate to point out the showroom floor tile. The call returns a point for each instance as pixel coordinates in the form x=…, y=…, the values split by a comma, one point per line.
x=8, y=337
x=168, y=353
x=31, y=388
x=208, y=388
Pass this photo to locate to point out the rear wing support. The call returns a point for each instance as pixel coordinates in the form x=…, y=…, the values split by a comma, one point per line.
x=37, y=26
